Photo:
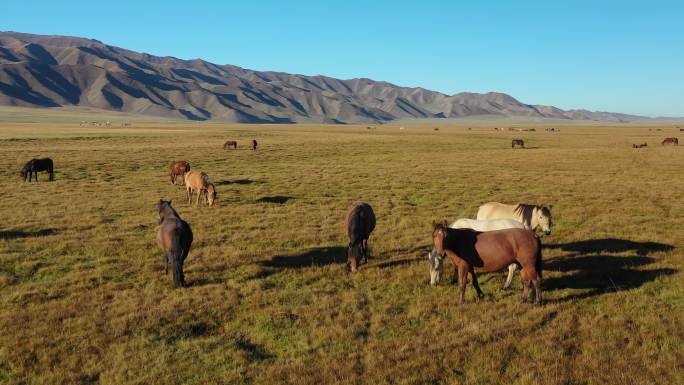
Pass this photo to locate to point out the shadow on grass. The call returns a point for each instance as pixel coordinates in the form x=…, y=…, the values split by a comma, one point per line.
x=396, y=262
x=587, y=269
x=14, y=234
x=277, y=199
x=225, y=182
x=314, y=257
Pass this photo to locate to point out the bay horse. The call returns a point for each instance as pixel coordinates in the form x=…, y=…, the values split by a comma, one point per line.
x=517, y=142
x=642, y=145
x=34, y=166
x=532, y=216
x=673, y=141
x=491, y=251
x=178, y=167
x=230, y=143
x=436, y=261
x=359, y=223
x=254, y=144
x=174, y=238
x=199, y=181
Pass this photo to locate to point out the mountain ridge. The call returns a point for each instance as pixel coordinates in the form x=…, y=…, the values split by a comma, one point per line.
x=54, y=71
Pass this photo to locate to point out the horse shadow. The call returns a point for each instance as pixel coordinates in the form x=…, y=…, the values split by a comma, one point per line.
x=319, y=256
x=225, y=182
x=587, y=268
x=16, y=234
x=277, y=199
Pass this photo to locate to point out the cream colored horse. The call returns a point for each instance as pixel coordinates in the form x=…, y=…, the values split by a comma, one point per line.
x=436, y=266
x=532, y=216
x=199, y=181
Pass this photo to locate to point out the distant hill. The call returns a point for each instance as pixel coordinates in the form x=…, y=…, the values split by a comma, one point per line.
x=56, y=71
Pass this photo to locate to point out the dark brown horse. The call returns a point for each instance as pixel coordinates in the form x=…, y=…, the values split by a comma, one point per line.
x=254, y=144
x=34, y=166
x=174, y=237
x=674, y=141
x=230, y=143
x=359, y=224
x=642, y=145
x=517, y=142
x=491, y=251
x=178, y=168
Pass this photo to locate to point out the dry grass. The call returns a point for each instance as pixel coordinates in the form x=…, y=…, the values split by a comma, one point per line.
x=83, y=299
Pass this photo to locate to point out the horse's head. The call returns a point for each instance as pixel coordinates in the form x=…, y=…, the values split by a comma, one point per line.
x=163, y=209
x=436, y=262
x=544, y=219
x=438, y=234
x=211, y=194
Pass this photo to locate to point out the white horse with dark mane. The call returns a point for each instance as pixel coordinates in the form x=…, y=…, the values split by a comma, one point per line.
x=532, y=216
x=437, y=261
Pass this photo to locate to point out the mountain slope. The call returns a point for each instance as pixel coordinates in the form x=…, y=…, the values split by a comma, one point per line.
x=53, y=71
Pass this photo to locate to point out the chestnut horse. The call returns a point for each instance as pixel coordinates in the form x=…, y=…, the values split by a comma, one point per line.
x=174, y=237
x=491, y=251
x=254, y=144
x=360, y=223
x=33, y=166
x=674, y=141
x=178, y=167
x=230, y=143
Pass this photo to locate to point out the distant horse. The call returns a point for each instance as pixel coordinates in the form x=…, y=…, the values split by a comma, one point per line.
x=532, y=216
x=673, y=141
x=174, y=237
x=642, y=145
x=436, y=263
x=254, y=144
x=34, y=166
x=178, y=167
x=199, y=181
x=230, y=143
x=491, y=251
x=359, y=224
x=517, y=142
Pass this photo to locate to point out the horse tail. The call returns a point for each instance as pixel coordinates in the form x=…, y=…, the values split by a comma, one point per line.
x=538, y=260
x=177, y=259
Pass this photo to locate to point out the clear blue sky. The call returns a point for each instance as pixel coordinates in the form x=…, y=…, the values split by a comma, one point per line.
x=621, y=56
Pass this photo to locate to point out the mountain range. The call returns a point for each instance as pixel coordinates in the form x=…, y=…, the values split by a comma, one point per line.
x=60, y=71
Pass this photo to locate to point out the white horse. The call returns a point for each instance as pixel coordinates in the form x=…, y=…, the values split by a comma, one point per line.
x=436, y=261
x=532, y=216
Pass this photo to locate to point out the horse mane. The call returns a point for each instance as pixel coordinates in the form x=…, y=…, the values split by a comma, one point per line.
x=526, y=211
x=165, y=211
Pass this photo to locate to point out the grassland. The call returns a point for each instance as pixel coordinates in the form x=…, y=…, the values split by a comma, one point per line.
x=83, y=299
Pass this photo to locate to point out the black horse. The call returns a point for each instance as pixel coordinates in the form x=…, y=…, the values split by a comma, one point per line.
x=34, y=166
x=517, y=142
x=174, y=237
x=359, y=224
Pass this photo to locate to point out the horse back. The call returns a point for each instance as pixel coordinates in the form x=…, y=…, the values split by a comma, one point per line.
x=360, y=221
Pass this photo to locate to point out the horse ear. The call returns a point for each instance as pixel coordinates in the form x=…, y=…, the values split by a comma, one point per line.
x=445, y=223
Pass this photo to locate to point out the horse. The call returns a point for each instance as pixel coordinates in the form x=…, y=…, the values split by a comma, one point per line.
x=532, y=216
x=199, y=181
x=178, y=167
x=436, y=263
x=640, y=145
x=174, y=237
x=254, y=144
x=673, y=141
x=491, y=251
x=229, y=143
x=517, y=142
x=34, y=166
x=360, y=223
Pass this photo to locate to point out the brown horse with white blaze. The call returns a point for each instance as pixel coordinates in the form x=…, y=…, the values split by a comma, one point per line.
x=491, y=251
x=360, y=223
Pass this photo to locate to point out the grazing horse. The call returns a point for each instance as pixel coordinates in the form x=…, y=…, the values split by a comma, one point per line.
x=642, y=145
x=230, y=143
x=436, y=263
x=517, y=142
x=199, y=181
x=673, y=141
x=359, y=224
x=254, y=144
x=33, y=166
x=491, y=251
x=178, y=167
x=532, y=216
x=174, y=237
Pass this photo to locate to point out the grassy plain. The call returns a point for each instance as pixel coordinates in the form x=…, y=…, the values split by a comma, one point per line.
x=83, y=299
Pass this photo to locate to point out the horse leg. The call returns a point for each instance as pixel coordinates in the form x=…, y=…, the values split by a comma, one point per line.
x=511, y=271
x=476, y=285
x=199, y=194
x=188, y=192
x=462, y=278
x=365, y=251
x=537, y=291
x=166, y=263
x=526, y=282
